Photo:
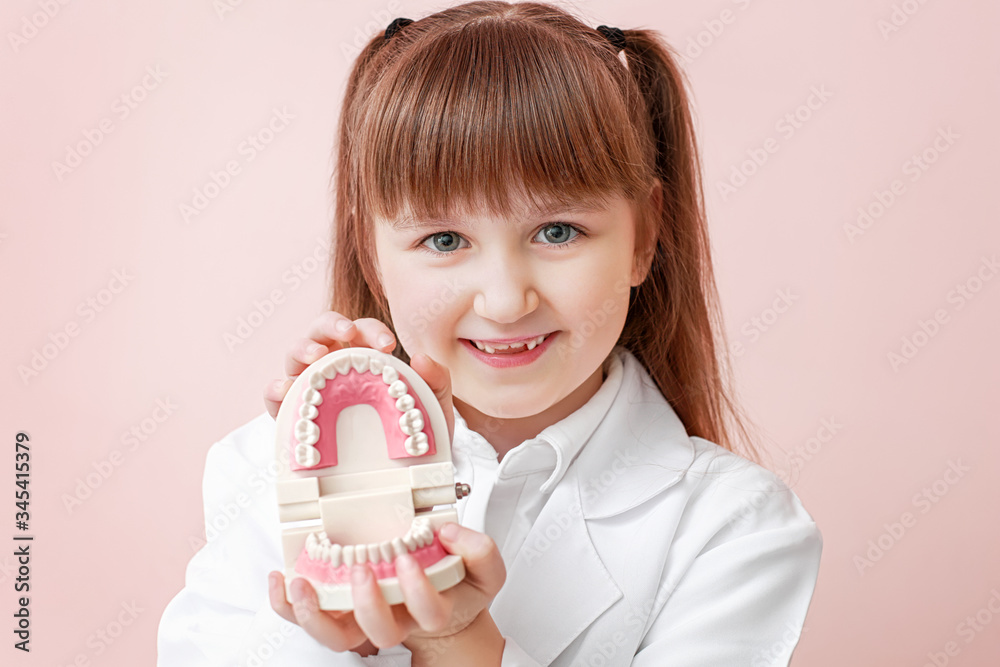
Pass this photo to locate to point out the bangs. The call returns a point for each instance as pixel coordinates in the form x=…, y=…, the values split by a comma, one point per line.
x=493, y=115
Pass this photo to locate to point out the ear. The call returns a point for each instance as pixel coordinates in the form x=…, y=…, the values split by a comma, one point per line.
x=645, y=244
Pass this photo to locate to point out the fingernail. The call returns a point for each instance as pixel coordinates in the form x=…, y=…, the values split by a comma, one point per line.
x=406, y=562
x=344, y=325
x=360, y=575
x=384, y=340
x=449, y=532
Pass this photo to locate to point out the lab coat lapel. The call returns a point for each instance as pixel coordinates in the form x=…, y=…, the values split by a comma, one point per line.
x=543, y=607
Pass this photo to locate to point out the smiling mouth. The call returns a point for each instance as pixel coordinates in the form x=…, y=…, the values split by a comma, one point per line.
x=511, y=348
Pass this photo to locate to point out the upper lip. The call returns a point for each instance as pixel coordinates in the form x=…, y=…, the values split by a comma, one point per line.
x=509, y=341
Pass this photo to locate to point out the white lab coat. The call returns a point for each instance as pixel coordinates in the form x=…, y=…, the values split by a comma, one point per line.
x=653, y=549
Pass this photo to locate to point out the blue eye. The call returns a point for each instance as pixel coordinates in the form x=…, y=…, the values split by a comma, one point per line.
x=557, y=234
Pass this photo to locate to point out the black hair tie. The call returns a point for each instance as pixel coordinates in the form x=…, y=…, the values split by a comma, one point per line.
x=613, y=35
x=395, y=26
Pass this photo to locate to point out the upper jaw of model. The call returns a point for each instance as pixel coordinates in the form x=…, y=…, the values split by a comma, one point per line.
x=411, y=422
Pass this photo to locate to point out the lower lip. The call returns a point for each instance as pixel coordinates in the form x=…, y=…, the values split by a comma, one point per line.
x=510, y=360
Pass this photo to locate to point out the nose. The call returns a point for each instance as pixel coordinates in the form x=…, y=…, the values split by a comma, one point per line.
x=506, y=290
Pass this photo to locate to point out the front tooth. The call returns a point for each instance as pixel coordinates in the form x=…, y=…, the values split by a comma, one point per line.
x=359, y=361
x=409, y=542
x=385, y=550
x=498, y=346
x=324, y=552
x=375, y=366
x=479, y=345
x=374, y=553
x=489, y=349
x=335, y=553
x=531, y=345
x=360, y=554
x=343, y=365
x=348, y=555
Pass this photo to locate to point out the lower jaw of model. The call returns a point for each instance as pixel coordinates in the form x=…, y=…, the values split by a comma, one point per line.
x=329, y=562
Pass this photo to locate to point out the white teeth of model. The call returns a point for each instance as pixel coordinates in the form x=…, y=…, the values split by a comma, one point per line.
x=374, y=555
x=312, y=396
x=306, y=431
x=343, y=365
x=375, y=366
x=398, y=548
x=360, y=554
x=317, y=381
x=411, y=422
x=404, y=403
x=311, y=540
x=416, y=444
x=385, y=550
x=409, y=542
x=348, y=555
x=397, y=389
x=360, y=362
x=325, y=541
x=324, y=552
x=308, y=411
x=389, y=375
x=335, y=553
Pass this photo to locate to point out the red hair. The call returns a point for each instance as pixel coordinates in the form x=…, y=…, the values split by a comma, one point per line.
x=456, y=107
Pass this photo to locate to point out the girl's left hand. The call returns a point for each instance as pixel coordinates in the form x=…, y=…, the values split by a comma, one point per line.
x=425, y=616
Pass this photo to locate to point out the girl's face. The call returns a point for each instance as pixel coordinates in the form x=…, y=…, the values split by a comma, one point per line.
x=562, y=275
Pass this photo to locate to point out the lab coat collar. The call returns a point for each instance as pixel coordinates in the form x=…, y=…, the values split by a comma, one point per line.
x=566, y=437
x=637, y=451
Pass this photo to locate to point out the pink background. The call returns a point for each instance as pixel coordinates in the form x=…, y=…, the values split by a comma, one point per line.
x=161, y=337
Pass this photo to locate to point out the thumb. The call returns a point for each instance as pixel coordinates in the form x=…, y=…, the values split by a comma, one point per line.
x=484, y=567
x=438, y=378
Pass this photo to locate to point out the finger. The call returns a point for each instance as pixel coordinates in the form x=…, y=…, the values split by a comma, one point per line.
x=374, y=334
x=329, y=329
x=274, y=394
x=337, y=634
x=484, y=567
x=438, y=378
x=304, y=352
x=428, y=608
x=276, y=593
x=371, y=612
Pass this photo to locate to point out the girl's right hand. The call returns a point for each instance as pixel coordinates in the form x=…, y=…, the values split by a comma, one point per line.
x=330, y=331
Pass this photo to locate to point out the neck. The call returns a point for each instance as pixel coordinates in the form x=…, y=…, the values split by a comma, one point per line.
x=506, y=434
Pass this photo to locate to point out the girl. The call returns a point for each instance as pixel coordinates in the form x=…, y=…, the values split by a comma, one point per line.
x=519, y=216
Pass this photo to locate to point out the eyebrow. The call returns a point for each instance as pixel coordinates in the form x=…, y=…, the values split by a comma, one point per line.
x=408, y=223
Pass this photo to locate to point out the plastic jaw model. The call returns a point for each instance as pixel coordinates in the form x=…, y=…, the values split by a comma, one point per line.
x=365, y=475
